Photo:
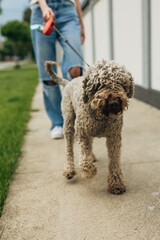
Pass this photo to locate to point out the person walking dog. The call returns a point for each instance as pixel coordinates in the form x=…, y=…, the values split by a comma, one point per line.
x=69, y=22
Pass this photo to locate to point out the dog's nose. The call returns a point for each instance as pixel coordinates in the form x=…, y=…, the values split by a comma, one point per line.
x=114, y=105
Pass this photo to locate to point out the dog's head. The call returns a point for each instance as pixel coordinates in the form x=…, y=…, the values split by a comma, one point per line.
x=107, y=87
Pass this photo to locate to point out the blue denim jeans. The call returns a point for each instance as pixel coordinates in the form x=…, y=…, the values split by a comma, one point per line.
x=67, y=22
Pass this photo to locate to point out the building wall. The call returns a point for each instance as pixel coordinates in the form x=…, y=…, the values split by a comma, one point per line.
x=127, y=34
x=155, y=44
x=88, y=46
x=101, y=30
x=127, y=30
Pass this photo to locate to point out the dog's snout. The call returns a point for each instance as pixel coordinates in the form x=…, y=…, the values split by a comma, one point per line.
x=114, y=107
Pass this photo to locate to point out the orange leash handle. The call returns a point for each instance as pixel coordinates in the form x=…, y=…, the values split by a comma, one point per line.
x=49, y=26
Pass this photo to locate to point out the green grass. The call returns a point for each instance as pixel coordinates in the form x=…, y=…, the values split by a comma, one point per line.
x=16, y=91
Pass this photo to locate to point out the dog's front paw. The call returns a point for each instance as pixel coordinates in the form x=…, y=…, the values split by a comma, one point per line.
x=116, y=185
x=69, y=174
x=117, y=189
x=88, y=170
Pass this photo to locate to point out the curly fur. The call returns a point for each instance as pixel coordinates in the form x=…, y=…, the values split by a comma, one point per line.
x=109, y=74
x=93, y=106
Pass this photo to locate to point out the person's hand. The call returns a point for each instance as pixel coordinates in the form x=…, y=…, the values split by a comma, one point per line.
x=82, y=34
x=46, y=12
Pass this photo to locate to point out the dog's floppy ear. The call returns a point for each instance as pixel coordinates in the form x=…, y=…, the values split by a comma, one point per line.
x=129, y=85
x=85, y=96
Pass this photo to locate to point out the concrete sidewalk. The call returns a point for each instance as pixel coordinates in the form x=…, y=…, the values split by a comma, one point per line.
x=41, y=204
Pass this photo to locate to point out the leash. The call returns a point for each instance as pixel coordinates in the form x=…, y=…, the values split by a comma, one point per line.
x=66, y=41
x=47, y=29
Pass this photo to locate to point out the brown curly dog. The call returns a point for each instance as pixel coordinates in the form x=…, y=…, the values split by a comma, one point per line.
x=93, y=106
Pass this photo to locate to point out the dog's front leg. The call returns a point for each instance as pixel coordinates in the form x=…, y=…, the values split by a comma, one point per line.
x=88, y=169
x=115, y=179
x=69, y=171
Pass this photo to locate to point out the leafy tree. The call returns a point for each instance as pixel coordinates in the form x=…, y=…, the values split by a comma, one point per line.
x=27, y=15
x=7, y=50
x=8, y=47
x=0, y=7
x=26, y=18
x=17, y=31
x=19, y=34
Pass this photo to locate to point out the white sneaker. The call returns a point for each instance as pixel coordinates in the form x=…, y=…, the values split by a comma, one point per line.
x=56, y=132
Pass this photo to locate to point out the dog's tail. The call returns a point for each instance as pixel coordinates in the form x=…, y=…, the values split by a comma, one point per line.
x=53, y=75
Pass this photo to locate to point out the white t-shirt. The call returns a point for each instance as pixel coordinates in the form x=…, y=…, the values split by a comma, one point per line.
x=32, y=2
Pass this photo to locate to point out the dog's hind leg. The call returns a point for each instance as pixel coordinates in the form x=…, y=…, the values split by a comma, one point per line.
x=69, y=118
x=115, y=179
x=88, y=169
